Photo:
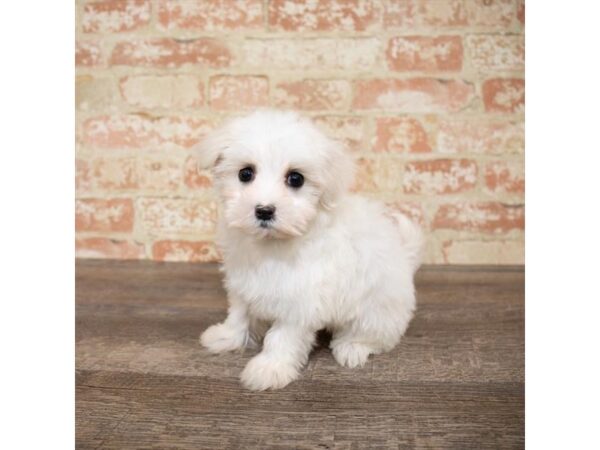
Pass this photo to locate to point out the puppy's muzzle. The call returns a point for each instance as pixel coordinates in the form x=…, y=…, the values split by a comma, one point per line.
x=264, y=212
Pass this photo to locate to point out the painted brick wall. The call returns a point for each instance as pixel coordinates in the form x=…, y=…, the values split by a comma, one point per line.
x=428, y=95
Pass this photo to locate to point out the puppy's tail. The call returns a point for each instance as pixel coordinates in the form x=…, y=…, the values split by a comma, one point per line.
x=412, y=239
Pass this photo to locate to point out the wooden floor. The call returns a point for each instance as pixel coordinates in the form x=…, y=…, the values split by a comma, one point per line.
x=455, y=381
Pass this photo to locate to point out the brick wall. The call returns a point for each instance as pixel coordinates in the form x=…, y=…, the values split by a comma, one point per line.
x=428, y=95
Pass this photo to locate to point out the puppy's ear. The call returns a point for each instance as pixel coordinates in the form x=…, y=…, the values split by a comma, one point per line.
x=209, y=151
x=339, y=173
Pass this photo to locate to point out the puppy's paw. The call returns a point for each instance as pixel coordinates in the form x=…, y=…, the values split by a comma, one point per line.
x=222, y=338
x=350, y=354
x=263, y=372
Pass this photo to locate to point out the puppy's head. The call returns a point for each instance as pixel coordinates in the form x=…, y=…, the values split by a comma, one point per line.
x=275, y=171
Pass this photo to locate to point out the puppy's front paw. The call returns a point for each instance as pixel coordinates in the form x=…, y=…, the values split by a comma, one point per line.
x=350, y=354
x=263, y=372
x=222, y=338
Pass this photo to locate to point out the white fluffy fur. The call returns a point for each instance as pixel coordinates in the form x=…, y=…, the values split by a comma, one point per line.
x=330, y=260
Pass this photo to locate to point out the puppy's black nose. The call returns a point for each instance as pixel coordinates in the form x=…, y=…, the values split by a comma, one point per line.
x=264, y=212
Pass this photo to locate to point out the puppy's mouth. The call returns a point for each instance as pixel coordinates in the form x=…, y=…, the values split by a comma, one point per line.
x=266, y=229
x=270, y=229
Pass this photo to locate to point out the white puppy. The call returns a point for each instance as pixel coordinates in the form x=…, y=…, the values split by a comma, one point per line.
x=300, y=252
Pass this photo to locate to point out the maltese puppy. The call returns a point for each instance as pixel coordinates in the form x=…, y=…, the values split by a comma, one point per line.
x=301, y=253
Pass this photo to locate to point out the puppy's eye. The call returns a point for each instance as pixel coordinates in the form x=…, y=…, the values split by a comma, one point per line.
x=246, y=175
x=294, y=179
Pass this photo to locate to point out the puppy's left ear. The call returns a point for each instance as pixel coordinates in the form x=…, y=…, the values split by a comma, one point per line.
x=340, y=169
x=209, y=151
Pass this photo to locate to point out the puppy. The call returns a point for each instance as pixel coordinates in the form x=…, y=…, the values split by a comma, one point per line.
x=301, y=253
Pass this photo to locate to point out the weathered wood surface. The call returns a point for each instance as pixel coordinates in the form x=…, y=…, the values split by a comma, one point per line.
x=455, y=381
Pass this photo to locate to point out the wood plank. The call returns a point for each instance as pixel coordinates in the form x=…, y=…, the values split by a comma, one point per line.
x=455, y=381
x=312, y=411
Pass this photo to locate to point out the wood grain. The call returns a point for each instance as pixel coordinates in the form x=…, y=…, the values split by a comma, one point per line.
x=455, y=381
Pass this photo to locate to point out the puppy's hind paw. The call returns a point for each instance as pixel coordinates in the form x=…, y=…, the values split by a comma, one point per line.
x=221, y=338
x=262, y=373
x=350, y=354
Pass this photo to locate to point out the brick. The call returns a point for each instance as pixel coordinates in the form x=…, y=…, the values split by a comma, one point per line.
x=441, y=13
x=412, y=210
x=114, y=174
x=505, y=177
x=88, y=54
x=324, y=15
x=423, y=53
x=142, y=131
x=231, y=92
x=487, y=217
x=108, y=248
x=496, y=53
x=82, y=176
x=210, y=15
x=313, y=94
x=400, y=134
x=162, y=91
x=159, y=173
x=104, y=215
x=424, y=13
x=398, y=14
x=417, y=95
x=171, y=53
x=378, y=175
x=480, y=137
x=95, y=94
x=160, y=216
x=449, y=13
x=194, y=178
x=504, y=95
x=115, y=15
x=490, y=13
x=185, y=251
x=347, y=129
x=364, y=179
x=311, y=54
x=483, y=252
x=521, y=11
x=440, y=176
